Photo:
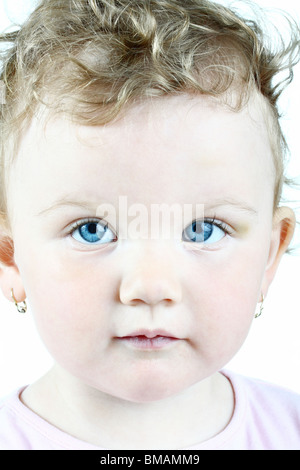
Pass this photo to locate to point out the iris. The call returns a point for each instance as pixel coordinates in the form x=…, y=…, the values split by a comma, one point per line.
x=203, y=232
x=90, y=232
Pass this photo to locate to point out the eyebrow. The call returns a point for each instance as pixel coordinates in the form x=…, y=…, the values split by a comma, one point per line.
x=68, y=202
x=87, y=205
x=240, y=205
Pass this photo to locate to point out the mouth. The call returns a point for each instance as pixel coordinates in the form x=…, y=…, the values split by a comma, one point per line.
x=151, y=340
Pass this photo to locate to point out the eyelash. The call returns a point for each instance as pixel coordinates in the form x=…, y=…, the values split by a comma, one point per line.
x=81, y=222
x=213, y=221
x=218, y=223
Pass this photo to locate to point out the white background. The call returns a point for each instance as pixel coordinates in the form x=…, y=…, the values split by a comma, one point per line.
x=272, y=350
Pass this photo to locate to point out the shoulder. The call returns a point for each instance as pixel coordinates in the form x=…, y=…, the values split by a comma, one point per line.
x=11, y=423
x=267, y=394
x=272, y=412
x=22, y=429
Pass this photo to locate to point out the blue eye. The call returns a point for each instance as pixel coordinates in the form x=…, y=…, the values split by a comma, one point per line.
x=205, y=232
x=92, y=232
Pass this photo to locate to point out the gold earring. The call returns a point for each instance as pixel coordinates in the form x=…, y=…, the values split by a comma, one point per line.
x=258, y=314
x=21, y=306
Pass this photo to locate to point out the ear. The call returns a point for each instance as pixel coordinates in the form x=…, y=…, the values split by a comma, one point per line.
x=284, y=222
x=9, y=273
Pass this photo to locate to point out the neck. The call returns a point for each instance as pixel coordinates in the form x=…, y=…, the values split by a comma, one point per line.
x=182, y=420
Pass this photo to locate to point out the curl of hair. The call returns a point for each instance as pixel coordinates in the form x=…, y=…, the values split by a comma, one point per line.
x=90, y=59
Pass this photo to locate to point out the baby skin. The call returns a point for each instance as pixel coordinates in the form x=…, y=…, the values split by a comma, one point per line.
x=139, y=328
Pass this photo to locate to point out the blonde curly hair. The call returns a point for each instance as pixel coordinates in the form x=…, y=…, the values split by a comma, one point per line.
x=91, y=59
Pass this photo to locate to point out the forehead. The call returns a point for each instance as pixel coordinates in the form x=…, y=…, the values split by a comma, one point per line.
x=176, y=147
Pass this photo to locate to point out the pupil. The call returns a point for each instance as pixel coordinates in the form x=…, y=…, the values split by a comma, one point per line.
x=204, y=229
x=92, y=228
x=197, y=228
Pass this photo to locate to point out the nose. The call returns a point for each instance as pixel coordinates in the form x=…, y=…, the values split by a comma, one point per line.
x=151, y=277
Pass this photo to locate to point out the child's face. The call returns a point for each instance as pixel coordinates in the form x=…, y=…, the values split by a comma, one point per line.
x=86, y=296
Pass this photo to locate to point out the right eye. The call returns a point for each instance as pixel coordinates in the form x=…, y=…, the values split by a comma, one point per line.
x=206, y=231
x=92, y=232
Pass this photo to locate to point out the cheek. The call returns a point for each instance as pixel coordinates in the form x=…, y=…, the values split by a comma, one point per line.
x=224, y=298
x=71, y=301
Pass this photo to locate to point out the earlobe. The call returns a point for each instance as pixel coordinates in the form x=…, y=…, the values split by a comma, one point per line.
x=284, y=223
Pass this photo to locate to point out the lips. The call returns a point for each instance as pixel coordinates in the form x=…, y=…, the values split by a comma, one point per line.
x=149, y=339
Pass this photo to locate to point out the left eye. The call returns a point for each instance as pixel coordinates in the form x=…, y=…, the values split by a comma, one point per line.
x=204, y=232
x=92, y=232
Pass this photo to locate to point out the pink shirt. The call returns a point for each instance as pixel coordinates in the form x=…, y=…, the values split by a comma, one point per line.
x=266, y=417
